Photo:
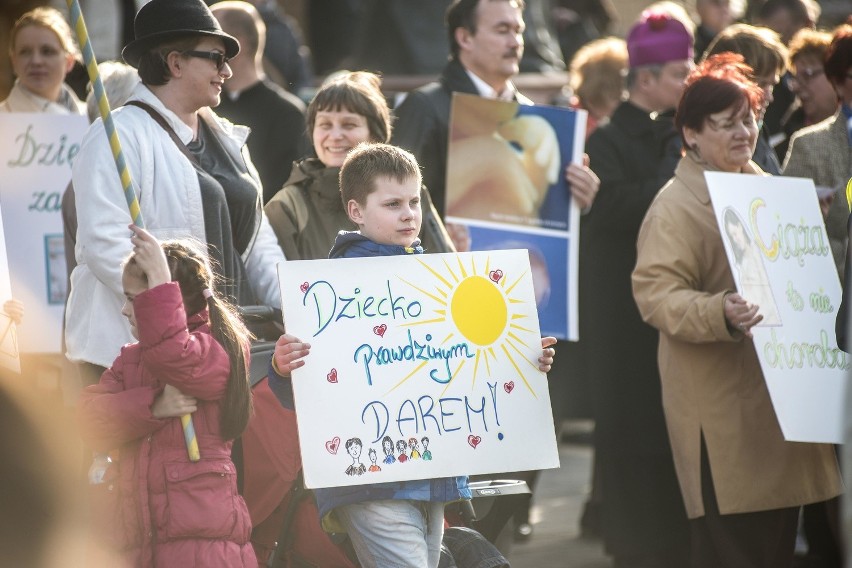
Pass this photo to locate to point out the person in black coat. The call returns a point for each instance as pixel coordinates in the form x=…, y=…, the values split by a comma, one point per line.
x=275, y=116
x=644, y=519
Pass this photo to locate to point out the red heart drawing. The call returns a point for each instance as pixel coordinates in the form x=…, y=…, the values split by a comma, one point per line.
x=496, y=275
x=380, y=330
x=473, y=441
x=332, y=445
x=509, y=387
x=304, y=287
x=332, y=376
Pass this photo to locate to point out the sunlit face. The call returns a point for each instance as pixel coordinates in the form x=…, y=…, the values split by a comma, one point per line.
x=391, y=214
x=767, y=85
x=202, y=81
x=494, y=52
x=336, y=132
x=40, y=62
x=668, y=85
x=133, y=286
x=815, y=91
x=728, y=138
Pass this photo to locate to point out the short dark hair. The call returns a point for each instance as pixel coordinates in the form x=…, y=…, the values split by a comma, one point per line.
x=367, y=162
x=153, y=64
x=462, y=14
x=359, y=92
x=718, y=83
x=838, y=58
x=760, y=47
x=242, y=19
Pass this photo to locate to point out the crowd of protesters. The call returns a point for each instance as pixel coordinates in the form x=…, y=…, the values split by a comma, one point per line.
x=763, y=89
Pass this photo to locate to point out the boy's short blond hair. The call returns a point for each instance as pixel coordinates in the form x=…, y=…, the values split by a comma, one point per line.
x=368, y=162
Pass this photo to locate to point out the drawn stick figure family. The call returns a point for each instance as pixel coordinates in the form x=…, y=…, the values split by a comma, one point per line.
x=405, y=451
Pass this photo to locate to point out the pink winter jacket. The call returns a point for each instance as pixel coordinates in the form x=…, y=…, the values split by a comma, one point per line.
x=167, y=510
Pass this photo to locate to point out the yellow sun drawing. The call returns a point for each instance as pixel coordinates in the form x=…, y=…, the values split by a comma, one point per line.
x=483, y=311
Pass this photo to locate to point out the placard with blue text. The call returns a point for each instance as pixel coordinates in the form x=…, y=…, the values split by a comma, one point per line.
x=36, y=154
x=421, y=366
x=780, y=257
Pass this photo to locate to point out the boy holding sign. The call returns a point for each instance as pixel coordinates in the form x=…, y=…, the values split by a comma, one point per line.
x=380, y=188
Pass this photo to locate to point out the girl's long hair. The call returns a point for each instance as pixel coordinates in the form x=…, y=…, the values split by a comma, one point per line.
x=189, y=267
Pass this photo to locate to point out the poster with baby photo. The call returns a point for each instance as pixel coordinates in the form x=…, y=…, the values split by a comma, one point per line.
x=781, y=261
x=36, y=154
x=506, y=170
x=420, y=367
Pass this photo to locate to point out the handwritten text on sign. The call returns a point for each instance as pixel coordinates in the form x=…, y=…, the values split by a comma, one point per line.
x=421, y=366
x=781, y=260
x=36, y=154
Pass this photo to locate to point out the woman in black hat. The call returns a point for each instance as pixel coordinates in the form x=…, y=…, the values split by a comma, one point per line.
x=191, y=172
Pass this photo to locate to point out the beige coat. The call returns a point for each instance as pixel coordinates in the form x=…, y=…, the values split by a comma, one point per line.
x=711, y=379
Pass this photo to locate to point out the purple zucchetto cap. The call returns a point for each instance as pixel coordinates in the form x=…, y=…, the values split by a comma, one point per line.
x=656, y=39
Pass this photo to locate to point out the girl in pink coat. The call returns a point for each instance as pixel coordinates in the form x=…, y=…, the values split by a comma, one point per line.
x=191, y=357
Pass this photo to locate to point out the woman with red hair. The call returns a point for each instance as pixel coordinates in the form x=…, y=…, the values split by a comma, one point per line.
x=742, y=483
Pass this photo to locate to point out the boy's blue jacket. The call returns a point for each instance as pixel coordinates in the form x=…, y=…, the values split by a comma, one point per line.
x=351, y=244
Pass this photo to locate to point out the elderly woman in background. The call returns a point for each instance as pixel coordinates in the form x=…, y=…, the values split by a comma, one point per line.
x=815, y=98
x=307, y=213
x=823, y=151
x=192, y=173
x=742, y=483
x=42, y=51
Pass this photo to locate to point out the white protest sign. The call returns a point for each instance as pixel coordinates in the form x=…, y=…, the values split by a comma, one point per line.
x=36, y=153
x=9, y=356
x=421, y=366
x=781, y=260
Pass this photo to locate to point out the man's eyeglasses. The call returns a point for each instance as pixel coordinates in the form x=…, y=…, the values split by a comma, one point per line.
x=217, y=57
x=804, y=76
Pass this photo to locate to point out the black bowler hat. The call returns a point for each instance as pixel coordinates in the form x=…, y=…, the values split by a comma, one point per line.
x=159, y=21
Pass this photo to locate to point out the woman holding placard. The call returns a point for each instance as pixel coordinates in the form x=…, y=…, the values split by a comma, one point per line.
x=742, y=483
x=43, y=52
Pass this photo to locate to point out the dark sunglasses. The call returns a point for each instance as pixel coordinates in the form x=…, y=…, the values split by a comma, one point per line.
x=218, y=58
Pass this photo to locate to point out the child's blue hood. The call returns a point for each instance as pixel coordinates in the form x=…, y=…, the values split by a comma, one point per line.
x=352, y=244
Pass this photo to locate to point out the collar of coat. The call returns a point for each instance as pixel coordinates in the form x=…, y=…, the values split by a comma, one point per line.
x=690, y=172
x=454, y=78
x=636, y=121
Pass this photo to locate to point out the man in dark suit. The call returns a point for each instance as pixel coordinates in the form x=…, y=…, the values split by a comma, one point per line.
x=486, y=46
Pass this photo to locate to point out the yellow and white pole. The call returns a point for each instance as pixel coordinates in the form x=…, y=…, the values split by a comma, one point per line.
x=120, y=164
